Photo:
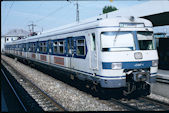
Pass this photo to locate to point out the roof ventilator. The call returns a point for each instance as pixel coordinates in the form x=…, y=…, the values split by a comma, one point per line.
x=99, y=18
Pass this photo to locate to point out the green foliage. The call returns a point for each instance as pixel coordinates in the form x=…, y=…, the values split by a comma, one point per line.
x=107, y=9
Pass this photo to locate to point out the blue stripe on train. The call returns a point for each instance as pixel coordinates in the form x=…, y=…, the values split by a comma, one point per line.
x=129, y=65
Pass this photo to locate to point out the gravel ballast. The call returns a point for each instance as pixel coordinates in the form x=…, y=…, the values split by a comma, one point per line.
x=69, y=97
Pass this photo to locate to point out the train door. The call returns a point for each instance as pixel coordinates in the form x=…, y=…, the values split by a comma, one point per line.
x=50, y=50
x=37, y=49
x=93, y=57
x=71, y=51
x=27, y=49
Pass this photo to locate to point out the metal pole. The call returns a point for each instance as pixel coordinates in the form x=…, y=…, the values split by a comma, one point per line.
x=32, y=25
x=77, y=11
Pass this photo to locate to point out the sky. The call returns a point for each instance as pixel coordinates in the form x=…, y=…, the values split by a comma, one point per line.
x=47, y=15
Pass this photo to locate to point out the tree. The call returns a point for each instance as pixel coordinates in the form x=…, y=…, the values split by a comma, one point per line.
x=107, y=9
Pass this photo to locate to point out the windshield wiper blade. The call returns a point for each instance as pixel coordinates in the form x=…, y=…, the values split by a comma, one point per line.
x=116, y=36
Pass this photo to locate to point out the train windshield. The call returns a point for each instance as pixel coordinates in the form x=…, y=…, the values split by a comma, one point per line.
x=145, y=39
x=117, y=41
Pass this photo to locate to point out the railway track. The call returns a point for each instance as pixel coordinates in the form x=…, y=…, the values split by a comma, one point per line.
x=142, y=104
x=11, y=90
x=47, y=102
x=42, y=98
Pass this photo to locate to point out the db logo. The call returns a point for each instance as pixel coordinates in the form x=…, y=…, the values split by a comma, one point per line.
x=138, y=65
x=138, y=55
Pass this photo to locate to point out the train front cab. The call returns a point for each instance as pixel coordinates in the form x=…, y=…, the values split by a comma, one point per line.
x=128, y=59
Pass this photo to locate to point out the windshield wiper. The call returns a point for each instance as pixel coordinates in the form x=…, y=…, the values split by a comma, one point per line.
x=116, y=36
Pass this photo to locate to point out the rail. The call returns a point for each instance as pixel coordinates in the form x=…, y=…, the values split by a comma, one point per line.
x=141, y=104
x=21, y=103
x=49, y=101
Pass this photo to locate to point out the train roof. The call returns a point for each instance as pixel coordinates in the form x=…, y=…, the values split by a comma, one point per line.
x=100, y=21
x=87, y=24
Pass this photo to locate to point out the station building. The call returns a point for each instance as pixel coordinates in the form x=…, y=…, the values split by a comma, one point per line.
x=12, y=35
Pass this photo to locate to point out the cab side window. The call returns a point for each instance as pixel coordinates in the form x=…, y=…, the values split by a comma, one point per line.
x=80, y=45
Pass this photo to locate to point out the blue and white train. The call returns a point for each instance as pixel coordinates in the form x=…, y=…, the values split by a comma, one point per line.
x=111, y=53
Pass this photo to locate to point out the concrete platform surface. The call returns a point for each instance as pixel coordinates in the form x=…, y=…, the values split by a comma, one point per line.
x=161, y=87
x=163, y=74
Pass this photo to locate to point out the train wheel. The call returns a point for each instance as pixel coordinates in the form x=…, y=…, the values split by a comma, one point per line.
x=95, y=89
x=72, y=77
x=98, y=91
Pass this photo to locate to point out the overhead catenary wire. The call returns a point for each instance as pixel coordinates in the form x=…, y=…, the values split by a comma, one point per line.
x=8, y=12
x=36, y=21
x=36, y=9
x=26, y=19
x=51, y=13
x=5, y=6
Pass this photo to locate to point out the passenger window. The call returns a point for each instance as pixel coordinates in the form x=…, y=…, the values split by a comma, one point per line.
x=16, y=47
x=20, y=47
x=25, y=47
x=93, y=42
x=43, y=47
x=55, y=47
x=80, y=47
x=34, y=47
x=30, y=47
x=61, y=47
x=50, y=46
x=68, y=46
x=40, y=47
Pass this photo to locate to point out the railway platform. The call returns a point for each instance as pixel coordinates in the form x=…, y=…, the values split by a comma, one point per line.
x=161, y=87
x=163, y=74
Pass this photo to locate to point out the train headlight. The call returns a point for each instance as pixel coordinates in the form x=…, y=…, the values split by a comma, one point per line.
x=155, y=63
x=116, y=65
